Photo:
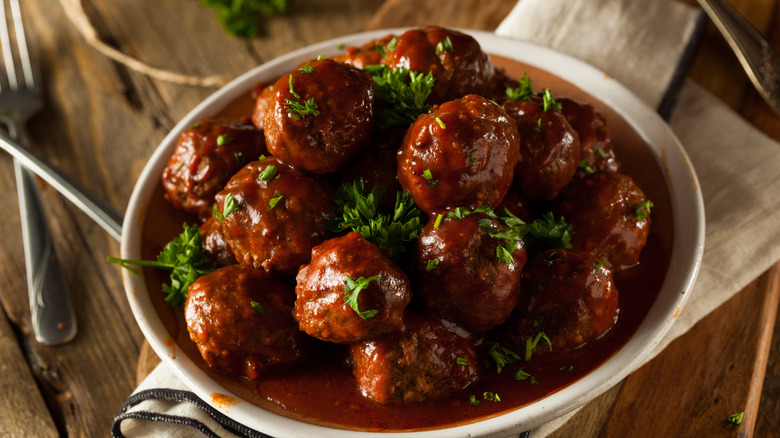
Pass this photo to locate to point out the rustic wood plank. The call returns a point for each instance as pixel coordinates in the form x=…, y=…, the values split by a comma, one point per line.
x=22, y=404
x=470, y=14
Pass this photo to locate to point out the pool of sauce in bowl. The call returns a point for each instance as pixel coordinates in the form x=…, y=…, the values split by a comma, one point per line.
x=323, y=391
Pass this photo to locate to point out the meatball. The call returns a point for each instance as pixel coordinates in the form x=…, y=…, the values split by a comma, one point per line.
x=206, y=156
x=320, y=115
x=606, y=214
x=570, y=296
x=456, y=61
x=274, y=216
x=596, y=150
x=371, y=53
x=549, y=148
x=428, y=359
x=262, y=100
x=466, y=275
x=240, y=318
x=215, y=244
x=462, y=153
x=351, y=291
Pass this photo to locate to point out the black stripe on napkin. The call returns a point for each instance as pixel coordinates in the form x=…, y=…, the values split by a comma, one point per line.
x=669, y=100
x=227, y=423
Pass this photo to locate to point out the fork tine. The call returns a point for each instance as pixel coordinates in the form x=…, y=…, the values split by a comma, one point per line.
x=8, y=55
x=21, y=42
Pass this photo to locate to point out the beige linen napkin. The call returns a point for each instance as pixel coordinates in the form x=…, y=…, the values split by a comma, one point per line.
x=639, y=43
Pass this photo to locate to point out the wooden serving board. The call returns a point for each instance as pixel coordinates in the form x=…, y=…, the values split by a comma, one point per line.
x=719, y=367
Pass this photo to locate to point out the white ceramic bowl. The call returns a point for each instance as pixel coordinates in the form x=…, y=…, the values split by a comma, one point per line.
x=688, y=229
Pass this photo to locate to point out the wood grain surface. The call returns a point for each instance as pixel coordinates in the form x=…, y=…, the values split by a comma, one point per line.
x=102, y=121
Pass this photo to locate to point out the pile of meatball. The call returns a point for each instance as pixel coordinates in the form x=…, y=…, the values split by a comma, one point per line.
x=263, y=187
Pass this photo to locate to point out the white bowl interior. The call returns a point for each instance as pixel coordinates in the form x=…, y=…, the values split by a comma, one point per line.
x=688, y=229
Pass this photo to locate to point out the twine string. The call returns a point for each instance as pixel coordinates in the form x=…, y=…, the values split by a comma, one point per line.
x=75, y=12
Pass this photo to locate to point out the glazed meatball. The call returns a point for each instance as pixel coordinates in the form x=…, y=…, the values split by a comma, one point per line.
x=604, y=210
x=465, y=275
x=456, y=61
x=371, y=53
x=428, y=359
x=262, y=100
x=549, y=148
x=596, y=151
x=344, y=269
x=205, y=158
x=337, y=123
x=241, y=320
x=275, y=215
x=462, y=153
x=215, y=244
x=568, y=295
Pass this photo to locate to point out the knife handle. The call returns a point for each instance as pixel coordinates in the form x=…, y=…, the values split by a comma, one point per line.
x=53, y=318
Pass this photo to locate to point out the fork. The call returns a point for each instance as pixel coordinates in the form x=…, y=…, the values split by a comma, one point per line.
x=53, y=318
x=761, y=63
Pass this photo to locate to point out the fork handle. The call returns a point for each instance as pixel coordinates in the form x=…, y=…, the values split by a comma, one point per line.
x=53, y=318
x=749, y=46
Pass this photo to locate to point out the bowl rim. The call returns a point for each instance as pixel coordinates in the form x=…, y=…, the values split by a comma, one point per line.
x=686, y=256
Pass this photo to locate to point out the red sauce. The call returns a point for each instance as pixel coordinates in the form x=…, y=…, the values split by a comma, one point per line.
x=323, y=390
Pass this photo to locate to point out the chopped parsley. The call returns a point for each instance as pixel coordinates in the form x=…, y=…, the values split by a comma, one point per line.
x=275, y=200
x=532, y=345
x=306, y=69
x=351, y=290
x=184, y=257
x=600, y=151
x=438, y=220
x=523, y=91
x=643, y=210
x=391, y=44
x=473, y=400
x=735, y=419
x=600, y=264
x=522, y=375
x=258, y=308
x=223, y=140
x=551, y=258
x=491, y=396
x=432, y=265
x=429, y=177
x=441, y=123
x=585, y=166
x=298, y=110
x=567, y=368
x=462, y=361
x=444, y=46
x=548, y=101
x=270, y=172
x=239, y=156
x=229, y=207
x=500, y=356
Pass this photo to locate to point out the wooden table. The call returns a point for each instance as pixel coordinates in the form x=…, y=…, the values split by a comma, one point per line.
x=102, y=121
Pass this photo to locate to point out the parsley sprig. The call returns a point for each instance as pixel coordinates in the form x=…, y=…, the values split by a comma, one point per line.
x=298, y=109
x=523, y=91
x=404, y=91
x=242, y=18
x=359, y=211
x=184, y=257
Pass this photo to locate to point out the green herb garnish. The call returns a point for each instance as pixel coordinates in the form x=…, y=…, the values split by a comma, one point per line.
x=522, y=375
x=532, y=344
x=298, y=110
x=643, y=210
x=404, y=91
x=229, y=207
x=351, y=290
x=184, y=257
x=491, y=396
x=243, y=18
x=735, y=419
x=523, y=91
x=270, y=172
x=358, y=211
x=432, y=265
x=259, y=308
x=548, y=101
x=500, y=356
x=444, y=46
x=275, y=200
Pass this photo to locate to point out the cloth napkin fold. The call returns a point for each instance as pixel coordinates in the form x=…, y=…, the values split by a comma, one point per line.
x=640, y=44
